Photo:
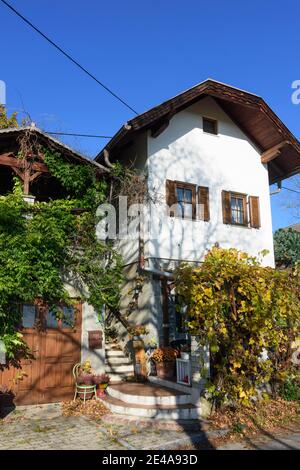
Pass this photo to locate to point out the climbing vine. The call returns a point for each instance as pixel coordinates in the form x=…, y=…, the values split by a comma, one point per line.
x=247, y=314
x=48, y=245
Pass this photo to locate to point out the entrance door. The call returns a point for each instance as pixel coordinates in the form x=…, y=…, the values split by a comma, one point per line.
x=56, y=348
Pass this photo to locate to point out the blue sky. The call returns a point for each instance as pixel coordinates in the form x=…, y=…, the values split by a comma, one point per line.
x=147, y=51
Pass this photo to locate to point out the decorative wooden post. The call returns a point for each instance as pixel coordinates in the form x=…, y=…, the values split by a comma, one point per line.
x=27, y=168
x=140, y=358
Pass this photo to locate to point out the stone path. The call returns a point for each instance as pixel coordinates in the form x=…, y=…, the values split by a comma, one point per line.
x=43, y=427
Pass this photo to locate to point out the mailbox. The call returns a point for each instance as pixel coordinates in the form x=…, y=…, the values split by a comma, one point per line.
x=95, y=339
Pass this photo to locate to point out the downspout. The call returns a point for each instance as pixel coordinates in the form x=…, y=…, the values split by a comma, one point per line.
x=106, y=159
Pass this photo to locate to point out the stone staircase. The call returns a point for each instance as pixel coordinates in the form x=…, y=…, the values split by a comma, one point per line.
x=150, y=401
x=117, y=365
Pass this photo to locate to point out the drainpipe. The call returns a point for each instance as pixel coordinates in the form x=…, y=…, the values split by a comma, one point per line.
x=106, y=159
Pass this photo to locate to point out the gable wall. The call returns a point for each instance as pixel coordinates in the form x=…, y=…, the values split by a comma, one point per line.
x=228, y=161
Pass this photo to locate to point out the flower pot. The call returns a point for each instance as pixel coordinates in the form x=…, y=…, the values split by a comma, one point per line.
x=165, y=370
x=86, y=392
x=101, y=390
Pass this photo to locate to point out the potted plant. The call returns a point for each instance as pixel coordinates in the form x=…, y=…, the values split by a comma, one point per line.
x=164, y=359
x=101, y=381
x=85, y=381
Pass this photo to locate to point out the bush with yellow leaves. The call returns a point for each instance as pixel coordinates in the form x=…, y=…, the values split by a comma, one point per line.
x=247, y=314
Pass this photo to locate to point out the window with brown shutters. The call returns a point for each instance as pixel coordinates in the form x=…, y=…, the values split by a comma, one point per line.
x=203, y=203
x=235, y=209
x=254, y=211
x=182, y=198
x=226, y=208
x=170, y=196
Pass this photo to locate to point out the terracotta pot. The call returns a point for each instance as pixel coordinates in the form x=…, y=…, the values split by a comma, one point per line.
x=165, y=370
x=101, y=390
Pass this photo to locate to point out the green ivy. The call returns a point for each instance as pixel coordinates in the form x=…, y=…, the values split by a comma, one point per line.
x=44, y=245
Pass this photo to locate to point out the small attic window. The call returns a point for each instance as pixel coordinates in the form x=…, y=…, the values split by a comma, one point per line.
x=210, y=126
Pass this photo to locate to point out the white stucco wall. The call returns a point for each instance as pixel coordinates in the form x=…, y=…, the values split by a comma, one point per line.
x=228, y=161
x=91, y=322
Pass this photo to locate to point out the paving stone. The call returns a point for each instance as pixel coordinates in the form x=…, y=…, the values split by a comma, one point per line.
x=46, y=428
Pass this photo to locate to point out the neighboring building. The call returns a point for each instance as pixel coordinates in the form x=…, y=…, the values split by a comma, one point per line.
x=213, y=145
x=295, y=227
x=56, y=349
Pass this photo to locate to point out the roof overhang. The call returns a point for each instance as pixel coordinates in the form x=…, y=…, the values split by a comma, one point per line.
x=10, y=137
x=279, y=148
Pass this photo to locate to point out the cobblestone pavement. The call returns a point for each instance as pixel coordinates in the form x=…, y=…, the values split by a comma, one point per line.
x=43, y=427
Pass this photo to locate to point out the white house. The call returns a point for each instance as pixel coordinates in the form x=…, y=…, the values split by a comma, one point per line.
x=211, y=153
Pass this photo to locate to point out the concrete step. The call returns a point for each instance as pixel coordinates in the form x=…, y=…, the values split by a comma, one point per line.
x=148, y=394
x=117, y=360
x=119, y=369
x=114, y=353
x=113, y=346
x=169, y=384
x=182, y=412
x=117, y=378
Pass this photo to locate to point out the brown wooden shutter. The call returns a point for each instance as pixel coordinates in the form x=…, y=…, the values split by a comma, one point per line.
x=171, y=194
x=226, y=207
x=254, y=211
x=203, y=201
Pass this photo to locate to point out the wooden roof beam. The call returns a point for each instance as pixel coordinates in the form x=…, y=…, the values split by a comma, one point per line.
x=273, y=152
x=7, y=159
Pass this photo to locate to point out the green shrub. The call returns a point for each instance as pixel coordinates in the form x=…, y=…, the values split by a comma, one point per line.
x=290, y=388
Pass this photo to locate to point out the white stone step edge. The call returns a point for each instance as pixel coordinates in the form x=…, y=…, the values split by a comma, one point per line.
x=113, y=353
x=117, y=369
x=117, y=378
x=149, y=400
x=117, y=360
x=154, y=413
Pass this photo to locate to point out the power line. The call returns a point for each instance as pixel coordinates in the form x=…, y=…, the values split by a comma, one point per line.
x=79, y=135
x=290, y=189
x=68, y=56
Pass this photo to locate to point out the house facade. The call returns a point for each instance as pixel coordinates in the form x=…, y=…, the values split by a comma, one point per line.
x=209, y=156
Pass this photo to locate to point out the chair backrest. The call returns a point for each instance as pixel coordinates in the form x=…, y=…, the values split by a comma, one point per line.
x=76, y=370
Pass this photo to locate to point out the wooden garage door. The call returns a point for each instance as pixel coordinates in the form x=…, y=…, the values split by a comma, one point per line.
x=56, y=348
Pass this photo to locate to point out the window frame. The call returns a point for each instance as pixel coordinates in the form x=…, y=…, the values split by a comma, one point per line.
x=244, y=198
x=212, y=121
x=190, y=187
x=60, y=322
